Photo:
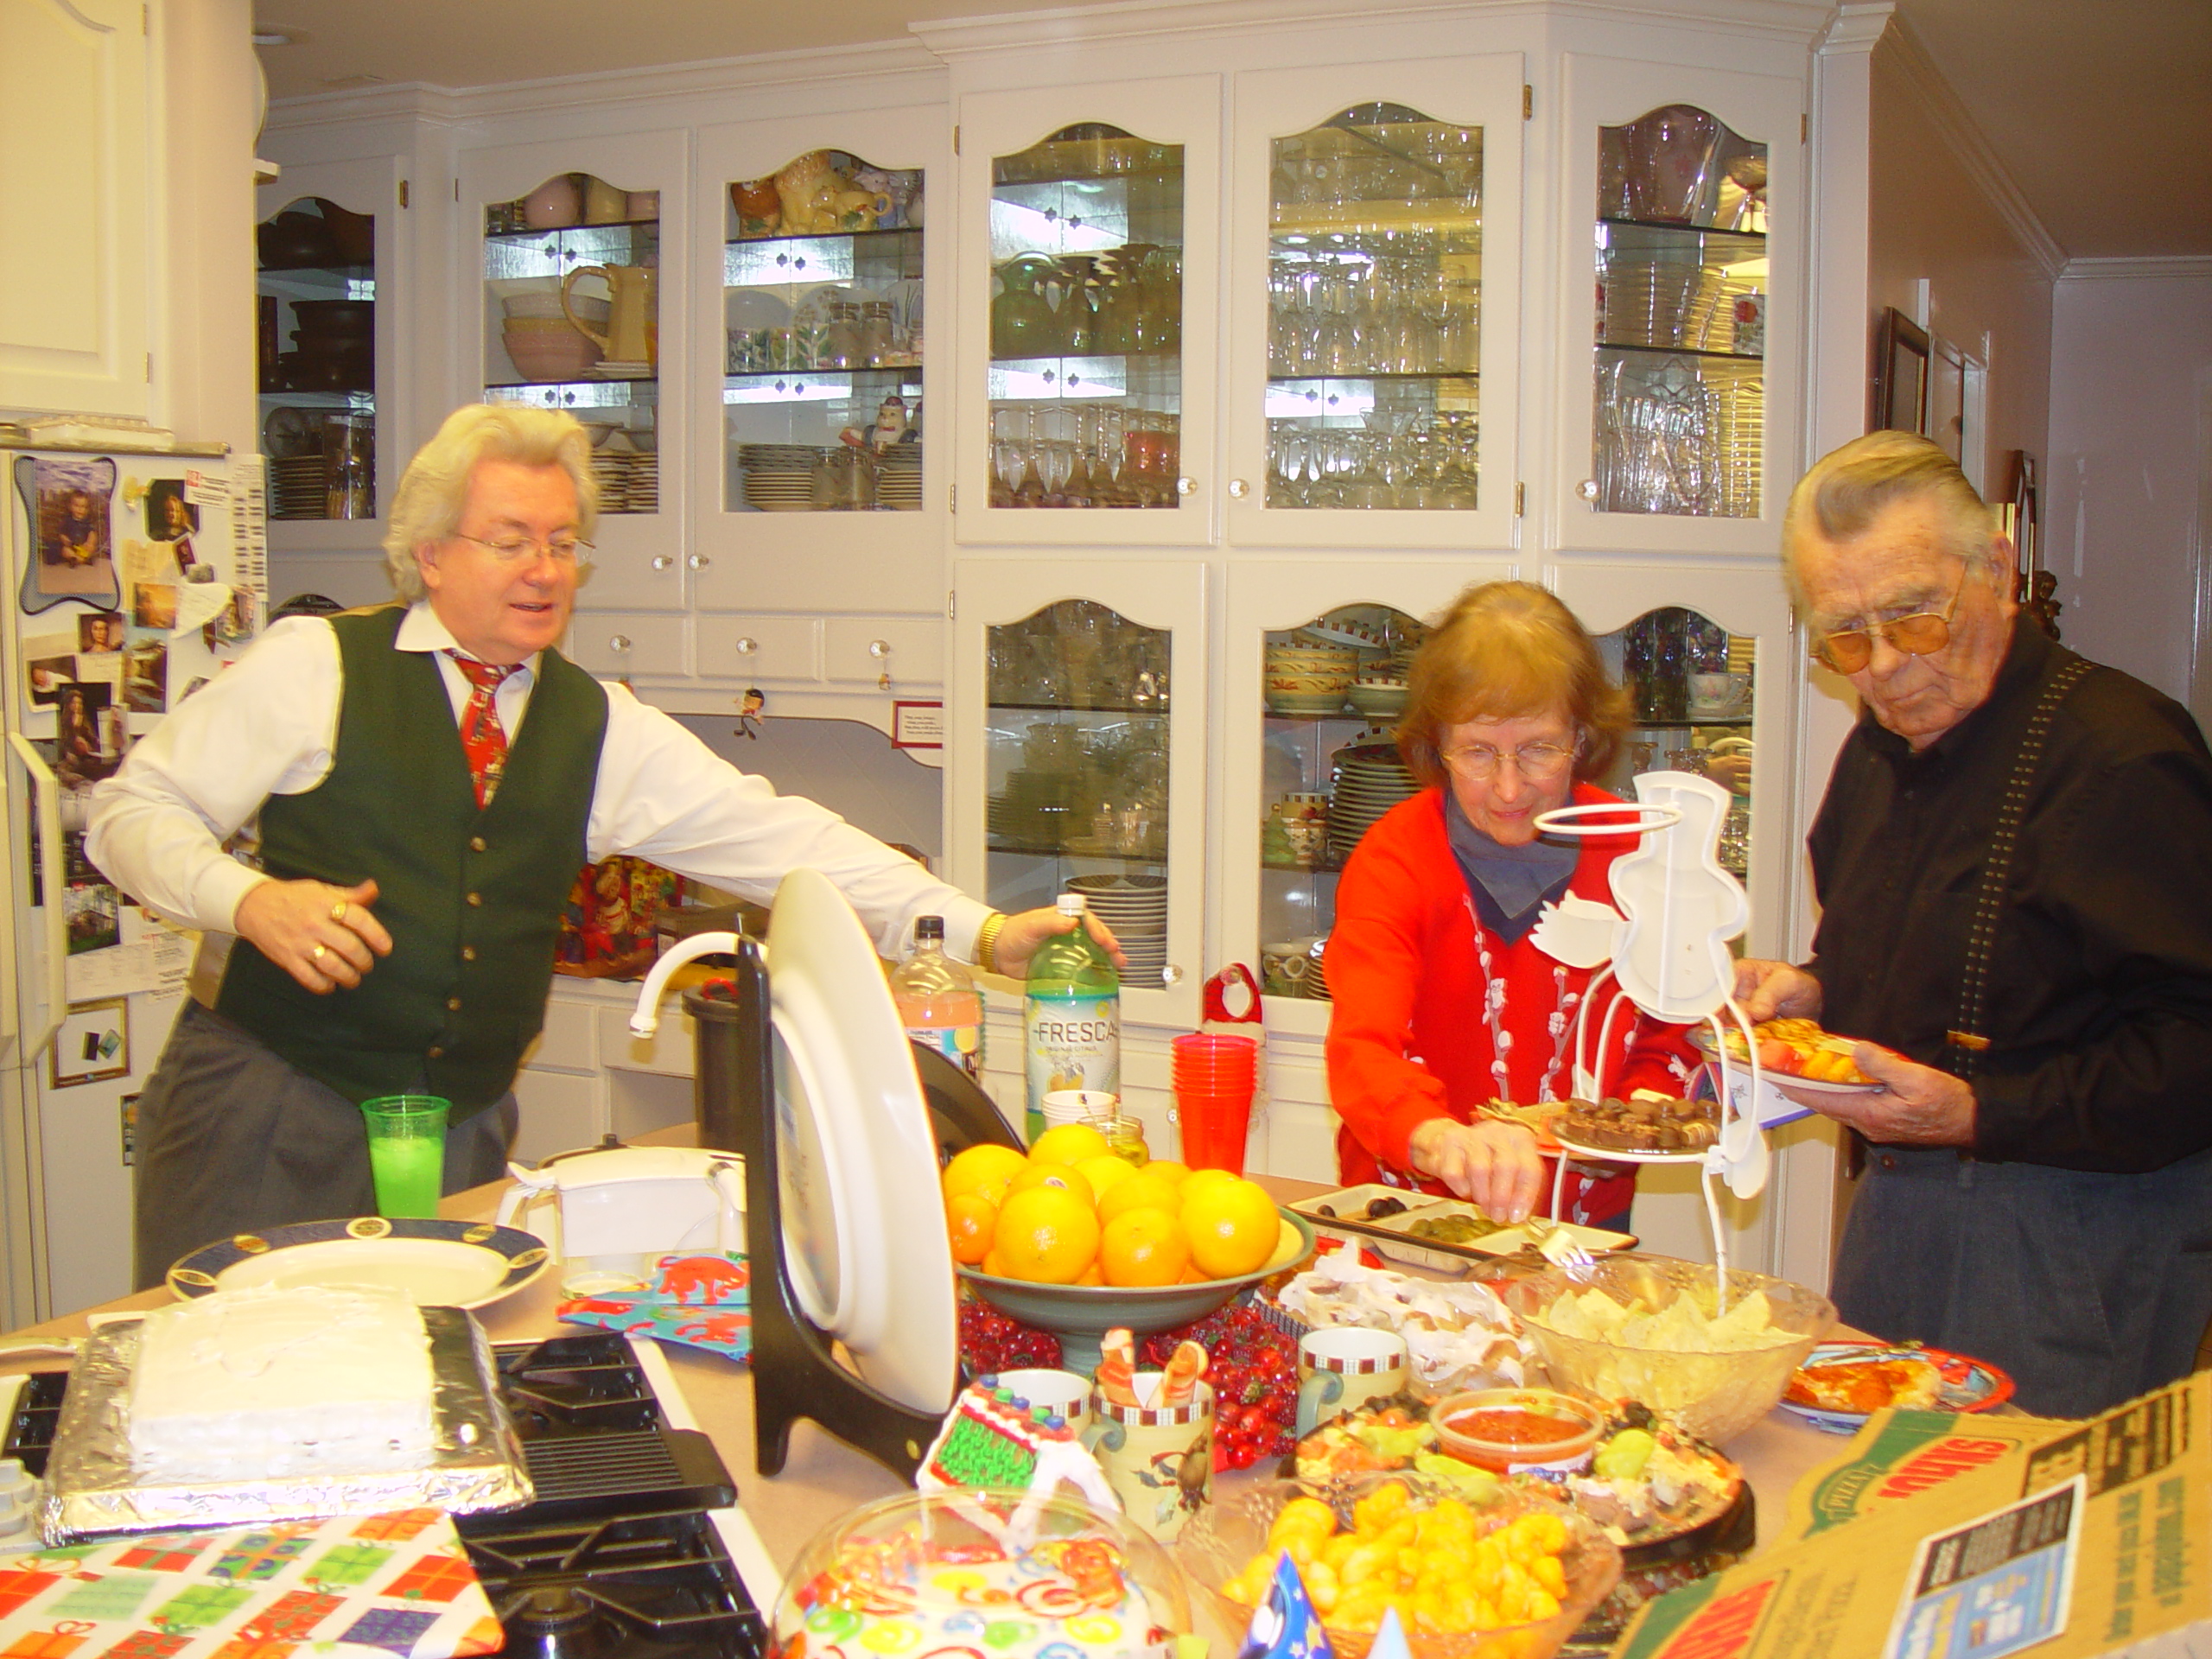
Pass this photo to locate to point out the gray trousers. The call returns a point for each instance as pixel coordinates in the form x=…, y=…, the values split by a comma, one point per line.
x=233, y=1139
x=2089, y=1289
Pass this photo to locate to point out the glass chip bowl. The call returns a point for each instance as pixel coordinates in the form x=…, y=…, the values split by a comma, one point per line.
x=1714, y=1396
x=1219, y=1543
x=971, y=1570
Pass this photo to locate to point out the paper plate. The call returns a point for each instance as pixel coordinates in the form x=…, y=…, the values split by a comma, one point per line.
x=1967, y=1384
x=438, y=1264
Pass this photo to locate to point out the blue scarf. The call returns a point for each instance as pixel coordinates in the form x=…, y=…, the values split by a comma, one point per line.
x=1509, y=884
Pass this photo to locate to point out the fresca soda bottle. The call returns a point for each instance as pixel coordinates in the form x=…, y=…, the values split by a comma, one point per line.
x=1071, y=1017
x=938, y=1003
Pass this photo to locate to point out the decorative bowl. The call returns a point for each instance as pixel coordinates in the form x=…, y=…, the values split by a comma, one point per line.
x=1714, y=1396
x=551, y=356
x=1079, y=1314
x=1215, y=1547
x=1377, y=700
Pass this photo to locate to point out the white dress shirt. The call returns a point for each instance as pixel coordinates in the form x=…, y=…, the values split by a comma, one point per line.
x=267, y=726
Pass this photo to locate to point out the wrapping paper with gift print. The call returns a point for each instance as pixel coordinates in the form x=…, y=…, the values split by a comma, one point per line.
x=401, y=1582
x=701, y=1300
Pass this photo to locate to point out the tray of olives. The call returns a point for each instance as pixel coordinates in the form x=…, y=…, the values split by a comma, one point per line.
x=1424, y=1230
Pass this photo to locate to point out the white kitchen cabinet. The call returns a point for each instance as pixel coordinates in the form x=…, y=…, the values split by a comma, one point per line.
x=560, y=1111
x=1677, y=429
x=1087, y=314
x=627, y=643
x=751, y=647
x=1087, y=684
x=1374, y=309
x=76, y=264
x=890, y=653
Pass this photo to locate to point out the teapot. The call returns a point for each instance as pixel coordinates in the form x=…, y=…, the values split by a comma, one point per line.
x=612, y=1209
x=631, y=336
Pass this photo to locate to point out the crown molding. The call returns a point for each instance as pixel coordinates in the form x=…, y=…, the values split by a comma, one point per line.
x=1970, y=145
x=2195, y=267
x=1856, y=26
x=886, y=62
x=1121, y=21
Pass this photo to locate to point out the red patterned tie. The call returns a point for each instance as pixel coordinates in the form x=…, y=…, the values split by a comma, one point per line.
x=482, y=738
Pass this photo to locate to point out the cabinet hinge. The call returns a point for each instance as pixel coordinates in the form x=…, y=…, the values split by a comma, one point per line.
x=456, y=189
x=1519, y=498
x=145, y=19
x=1527, y=101
x=149, y=368
x=952, y=604
x=952, y=497
x=403, y=193
x=956, y=138
x=1804, y=125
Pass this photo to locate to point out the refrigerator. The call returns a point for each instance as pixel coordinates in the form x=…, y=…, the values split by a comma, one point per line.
x=132, y=577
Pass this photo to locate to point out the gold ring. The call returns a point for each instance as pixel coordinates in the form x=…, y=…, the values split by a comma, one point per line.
x=318, y=953
x=338, y=911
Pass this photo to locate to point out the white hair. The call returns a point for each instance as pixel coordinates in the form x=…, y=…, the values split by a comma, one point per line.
x=434, y=493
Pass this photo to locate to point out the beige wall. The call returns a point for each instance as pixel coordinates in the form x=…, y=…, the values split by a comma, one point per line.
x=1936, y=215
x=2122, y=490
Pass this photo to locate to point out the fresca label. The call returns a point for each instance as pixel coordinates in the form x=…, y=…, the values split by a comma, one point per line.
x=1074, y=1042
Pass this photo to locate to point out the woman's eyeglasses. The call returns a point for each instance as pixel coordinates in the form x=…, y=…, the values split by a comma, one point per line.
x=1539, y=762
x=1848, y=650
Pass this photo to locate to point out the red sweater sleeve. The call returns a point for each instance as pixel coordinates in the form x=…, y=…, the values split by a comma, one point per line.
x=1375, y=960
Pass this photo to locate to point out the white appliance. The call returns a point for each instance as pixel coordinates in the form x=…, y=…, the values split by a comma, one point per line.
x=130, y=577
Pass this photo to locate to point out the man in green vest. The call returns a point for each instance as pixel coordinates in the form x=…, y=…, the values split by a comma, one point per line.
x=417, y=839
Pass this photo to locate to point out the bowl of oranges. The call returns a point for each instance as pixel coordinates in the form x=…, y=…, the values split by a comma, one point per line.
x=1073, y=1239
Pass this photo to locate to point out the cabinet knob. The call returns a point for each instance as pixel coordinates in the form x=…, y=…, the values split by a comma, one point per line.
x=747, y=645
x=1170, y=975
x=620, y=642
x=664, y=561
x=1587, y=489
x=1186, y=487
x=878, y=648
x=1239, y=489
x=698, y=561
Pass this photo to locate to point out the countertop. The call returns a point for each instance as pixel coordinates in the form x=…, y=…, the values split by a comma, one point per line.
x=822, y=1478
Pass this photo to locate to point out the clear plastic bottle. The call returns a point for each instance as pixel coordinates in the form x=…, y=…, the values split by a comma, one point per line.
x=938, y=1000
x=1071, y=1017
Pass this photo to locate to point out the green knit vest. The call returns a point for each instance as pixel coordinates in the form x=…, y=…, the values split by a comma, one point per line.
x=471, y=896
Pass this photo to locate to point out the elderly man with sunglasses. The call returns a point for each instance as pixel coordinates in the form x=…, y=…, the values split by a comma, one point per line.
x=417, y=837
x=2014, y=866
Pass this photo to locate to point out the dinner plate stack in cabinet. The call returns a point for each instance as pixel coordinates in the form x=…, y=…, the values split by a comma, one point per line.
x=1369, y=780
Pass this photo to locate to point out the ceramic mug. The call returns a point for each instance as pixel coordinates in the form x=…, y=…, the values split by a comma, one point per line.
x=1063, y=1393
x=1342, y=1367
x=1159, y=1461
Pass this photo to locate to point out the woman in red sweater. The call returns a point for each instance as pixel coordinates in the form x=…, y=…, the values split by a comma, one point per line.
x=1442, y=1002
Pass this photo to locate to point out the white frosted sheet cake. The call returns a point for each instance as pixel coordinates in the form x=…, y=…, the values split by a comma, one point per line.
x=265, y=1383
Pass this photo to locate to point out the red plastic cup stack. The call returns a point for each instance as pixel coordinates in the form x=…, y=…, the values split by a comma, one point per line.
x=1214, y=1075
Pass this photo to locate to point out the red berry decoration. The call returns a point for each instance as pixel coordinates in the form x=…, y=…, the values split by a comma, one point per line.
x=1253, y=1367
x=990, y=1342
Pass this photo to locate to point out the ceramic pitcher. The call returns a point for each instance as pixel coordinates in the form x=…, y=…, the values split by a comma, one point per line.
x=630, y=334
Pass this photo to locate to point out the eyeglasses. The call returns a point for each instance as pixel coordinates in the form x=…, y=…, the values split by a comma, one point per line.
x=1848, y=650
x=1539, y=762
x=562, y=549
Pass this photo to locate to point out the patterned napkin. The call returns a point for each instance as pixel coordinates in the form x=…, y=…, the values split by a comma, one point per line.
x=401, y=1582
x=701, y=1300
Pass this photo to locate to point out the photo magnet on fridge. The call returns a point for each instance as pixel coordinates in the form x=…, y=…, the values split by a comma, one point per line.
x=70, y=506
x=93, y=1044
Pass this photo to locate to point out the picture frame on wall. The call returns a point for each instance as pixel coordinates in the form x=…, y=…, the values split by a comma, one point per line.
x=1900, y=366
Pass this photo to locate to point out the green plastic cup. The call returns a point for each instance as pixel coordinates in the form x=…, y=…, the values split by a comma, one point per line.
x=407, y=1152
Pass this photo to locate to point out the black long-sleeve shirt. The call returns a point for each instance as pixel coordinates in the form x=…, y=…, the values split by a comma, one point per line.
x=2098, y=1001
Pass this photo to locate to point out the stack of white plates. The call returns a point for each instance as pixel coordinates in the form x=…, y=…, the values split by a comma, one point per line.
x=1369, y=779
x=1135, y=908
x=898, y=481
x=778, y=477
x=297, y=487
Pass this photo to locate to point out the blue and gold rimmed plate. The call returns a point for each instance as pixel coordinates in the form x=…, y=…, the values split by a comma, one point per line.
x=438, y=1263
x=1963, y=1383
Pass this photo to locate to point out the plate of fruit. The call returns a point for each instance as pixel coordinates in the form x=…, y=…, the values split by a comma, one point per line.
x=1073, y=1239
x=1796, y=1054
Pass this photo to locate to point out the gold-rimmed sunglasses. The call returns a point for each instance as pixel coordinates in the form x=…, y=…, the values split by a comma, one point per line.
x=1848, y=650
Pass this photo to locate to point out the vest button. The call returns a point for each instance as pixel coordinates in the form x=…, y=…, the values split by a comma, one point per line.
x=476, y=844
x=434, y=1052
x=476, y=899
x=452, y=1005
x=468, y=953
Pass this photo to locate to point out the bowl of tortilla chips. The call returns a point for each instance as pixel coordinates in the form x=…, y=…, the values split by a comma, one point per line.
x=1712, y=1359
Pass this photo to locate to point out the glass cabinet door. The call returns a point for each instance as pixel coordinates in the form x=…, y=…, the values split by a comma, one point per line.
x=572, y=322
x=1681, y=286
x=1689, y=683
x=316, y=301
x=822, y=312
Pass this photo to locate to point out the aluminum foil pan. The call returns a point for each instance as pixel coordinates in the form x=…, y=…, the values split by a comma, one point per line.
x=476, y=1462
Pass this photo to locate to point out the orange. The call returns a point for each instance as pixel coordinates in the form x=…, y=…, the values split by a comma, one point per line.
x=1143, y=1247
x=1169, y=1171
x=972, y=1219
x=1142, y=1190
x=1105, y=1173
x=1232, y=1224
x=994, y=1265
x=1067, y=1143
x=984, y=1169
x=1060, y=1175
x=1202, y=1181
x=1091, y=1275
x=1046, y=1235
